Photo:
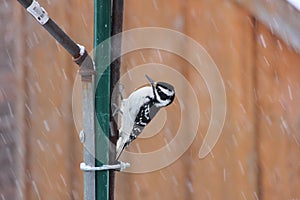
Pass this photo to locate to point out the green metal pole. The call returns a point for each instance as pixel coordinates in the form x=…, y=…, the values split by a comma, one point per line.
x=102, y=31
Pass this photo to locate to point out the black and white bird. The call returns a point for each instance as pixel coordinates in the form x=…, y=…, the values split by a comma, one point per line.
x=140, y=108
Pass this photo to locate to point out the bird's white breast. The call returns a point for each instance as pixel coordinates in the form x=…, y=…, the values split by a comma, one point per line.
x=131, y=106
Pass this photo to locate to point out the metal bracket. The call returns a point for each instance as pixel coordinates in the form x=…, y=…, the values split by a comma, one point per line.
x=121, y=166
x=87, y=65
x=38, y=12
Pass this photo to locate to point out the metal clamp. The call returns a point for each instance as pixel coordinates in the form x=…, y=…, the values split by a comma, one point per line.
x=87, y=65
x=38, y=12
x=121, y=166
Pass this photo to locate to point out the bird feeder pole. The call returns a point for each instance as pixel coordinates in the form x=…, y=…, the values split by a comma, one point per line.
x=102, y=31
x=108, y=20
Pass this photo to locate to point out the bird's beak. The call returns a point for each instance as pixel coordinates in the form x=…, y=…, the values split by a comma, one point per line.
x=150, y=79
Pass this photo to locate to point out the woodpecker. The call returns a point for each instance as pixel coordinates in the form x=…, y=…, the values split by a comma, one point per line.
x=140, y=108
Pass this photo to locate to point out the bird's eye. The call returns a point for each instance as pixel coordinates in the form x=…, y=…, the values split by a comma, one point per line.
x=162, y=95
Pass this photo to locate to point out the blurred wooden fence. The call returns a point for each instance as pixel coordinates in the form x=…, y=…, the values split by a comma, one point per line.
x=7, y=102
x=258, y=153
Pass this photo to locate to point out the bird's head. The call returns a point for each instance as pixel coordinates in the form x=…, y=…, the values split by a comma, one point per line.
x=164, y=93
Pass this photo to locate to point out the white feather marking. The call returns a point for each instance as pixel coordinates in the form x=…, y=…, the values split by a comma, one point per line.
x=166, y=91
x=161, y=103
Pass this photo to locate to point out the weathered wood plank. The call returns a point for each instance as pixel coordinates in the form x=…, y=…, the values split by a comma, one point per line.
x=229, y=171
x=278, y=98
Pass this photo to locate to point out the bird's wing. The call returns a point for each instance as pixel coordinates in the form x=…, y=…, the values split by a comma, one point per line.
x=143, y=118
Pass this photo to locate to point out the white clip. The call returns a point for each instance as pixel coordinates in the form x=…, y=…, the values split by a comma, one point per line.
x=121, y=167
x=38, y=12
x=82, y=49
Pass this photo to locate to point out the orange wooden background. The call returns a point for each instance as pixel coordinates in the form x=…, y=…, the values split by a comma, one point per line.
x=258, y=154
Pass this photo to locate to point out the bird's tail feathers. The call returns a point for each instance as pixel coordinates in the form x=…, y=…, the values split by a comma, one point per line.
x=121, y=144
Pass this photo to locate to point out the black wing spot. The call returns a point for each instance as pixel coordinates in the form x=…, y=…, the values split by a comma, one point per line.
x=146, y=113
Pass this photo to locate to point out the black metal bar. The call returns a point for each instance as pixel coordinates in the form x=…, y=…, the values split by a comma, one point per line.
x=62, y=38
x=25, y=3
x=80, y=58
x=117, y=26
